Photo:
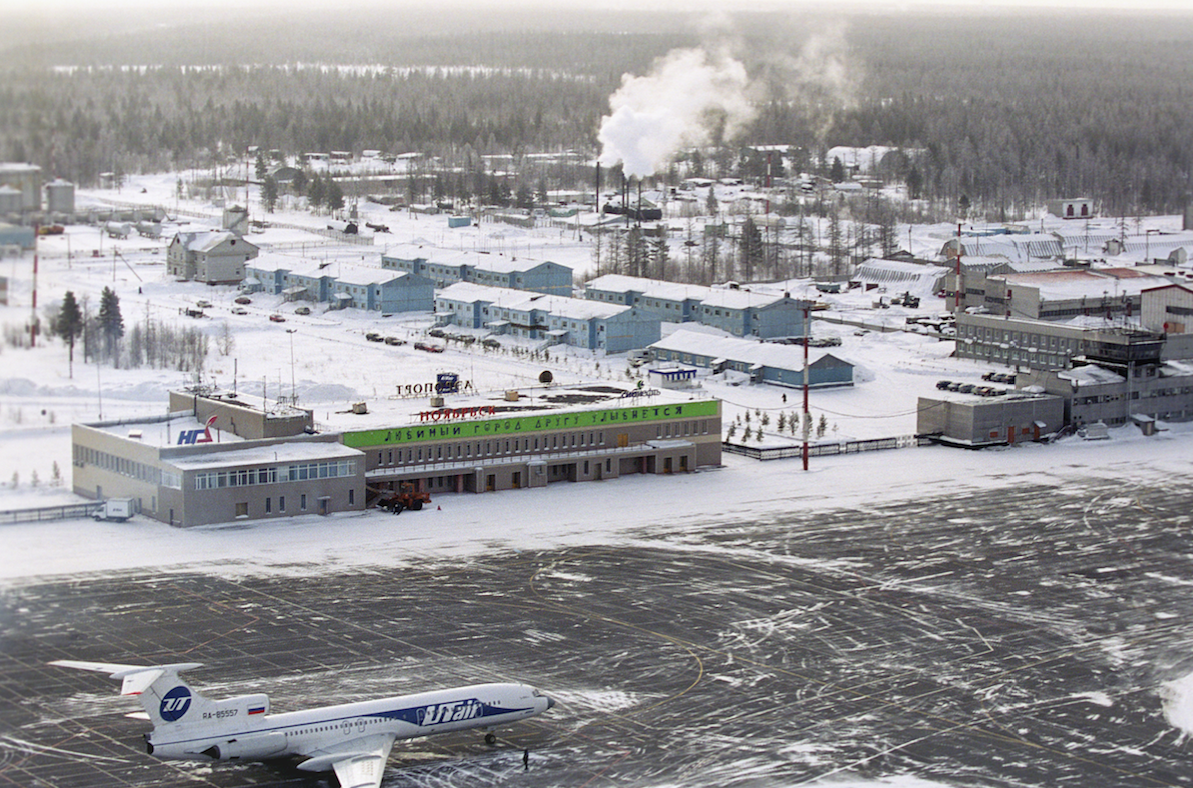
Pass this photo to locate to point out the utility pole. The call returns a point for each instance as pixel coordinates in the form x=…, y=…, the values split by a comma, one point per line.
x=807, y=417
x=33, y=319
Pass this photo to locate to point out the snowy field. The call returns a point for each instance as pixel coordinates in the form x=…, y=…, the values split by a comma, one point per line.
x=328, y=364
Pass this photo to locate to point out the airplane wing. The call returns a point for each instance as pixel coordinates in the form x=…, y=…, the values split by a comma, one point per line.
x=358, y=763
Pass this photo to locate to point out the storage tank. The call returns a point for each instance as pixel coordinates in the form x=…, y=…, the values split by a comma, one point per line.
x=10, y=200
x=60, y=196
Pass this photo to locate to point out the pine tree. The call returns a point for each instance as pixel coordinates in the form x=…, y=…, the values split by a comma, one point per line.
x=260, y=166
x=316, y=191
x=269, y=193
x=300, y=182
x=836, y=172
x=753, y=252
x=111, y=323
x=335, y=195
x=70, y=325
x=915, y=183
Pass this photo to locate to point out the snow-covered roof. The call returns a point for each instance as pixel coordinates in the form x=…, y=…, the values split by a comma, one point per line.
x=501, y=264
x=649, y=288
x=1014, y=247
x=523, y=300
x=1085, y=283
x=865, y=159
x=289, y=451
x=770, y=354
x=470, y=292
x=487, y=261
x=739, y=299
x=913, y=276
x=206, y=240
x=1089, y=375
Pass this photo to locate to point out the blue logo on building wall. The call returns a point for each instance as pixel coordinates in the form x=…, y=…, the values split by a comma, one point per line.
x=175, y=704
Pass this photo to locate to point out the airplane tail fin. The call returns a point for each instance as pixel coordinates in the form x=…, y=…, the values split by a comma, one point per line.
x=164, y=696
x=168, y=700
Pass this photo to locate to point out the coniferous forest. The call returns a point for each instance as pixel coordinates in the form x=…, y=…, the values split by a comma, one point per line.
x=1006, y=109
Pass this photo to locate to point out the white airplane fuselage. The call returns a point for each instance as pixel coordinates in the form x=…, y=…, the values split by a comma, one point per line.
x=237, y=733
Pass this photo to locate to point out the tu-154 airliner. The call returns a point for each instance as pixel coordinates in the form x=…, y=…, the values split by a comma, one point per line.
x=351, y=739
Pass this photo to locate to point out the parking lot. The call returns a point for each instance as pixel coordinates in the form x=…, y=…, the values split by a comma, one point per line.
x=1014, y=637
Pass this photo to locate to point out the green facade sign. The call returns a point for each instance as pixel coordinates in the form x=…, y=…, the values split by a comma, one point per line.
x=484, y=428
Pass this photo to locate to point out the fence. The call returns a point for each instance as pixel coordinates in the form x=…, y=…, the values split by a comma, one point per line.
x=65, y=512
x=823, y=449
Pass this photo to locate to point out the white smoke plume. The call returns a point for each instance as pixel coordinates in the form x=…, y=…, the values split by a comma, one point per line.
x=694, y=97
x=690, y=97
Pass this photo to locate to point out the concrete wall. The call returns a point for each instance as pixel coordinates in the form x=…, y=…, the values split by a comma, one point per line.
x=984, y=422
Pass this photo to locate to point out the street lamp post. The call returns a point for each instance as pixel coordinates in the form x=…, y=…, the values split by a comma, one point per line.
x=293, y=394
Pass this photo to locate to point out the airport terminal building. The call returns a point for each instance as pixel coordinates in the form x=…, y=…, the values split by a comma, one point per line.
x=219, y=457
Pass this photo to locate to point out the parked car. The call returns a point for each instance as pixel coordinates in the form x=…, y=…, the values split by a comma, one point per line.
x=943, y=384
x=373, y=336
x=303, y=310
x=243, y=300
x=203, y=304
x=428, y=348
x=239, y=310
x=276, y=318
x=394, y=341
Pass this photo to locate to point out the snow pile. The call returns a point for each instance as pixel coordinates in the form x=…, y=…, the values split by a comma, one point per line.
x=1177, y=700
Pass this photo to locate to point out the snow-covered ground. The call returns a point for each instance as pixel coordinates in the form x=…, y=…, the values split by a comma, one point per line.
x=328, y=364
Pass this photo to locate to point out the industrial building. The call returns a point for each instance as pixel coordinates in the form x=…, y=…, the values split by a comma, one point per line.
x=1061, y=294
x=1024, y=343
x=215, y=257
x=1168, y=308
x=1040, y=344
x=446, y=267
x=552, y=319
x=764, y=362
x=21, y=185
x=219, y=457
x=1141, y=388
x=974, y=422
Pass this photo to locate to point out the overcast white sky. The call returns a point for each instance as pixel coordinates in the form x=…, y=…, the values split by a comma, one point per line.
x=164, y=6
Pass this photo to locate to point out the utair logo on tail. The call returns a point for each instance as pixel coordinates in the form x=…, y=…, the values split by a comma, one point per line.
x=450, y=712
x=175, y=703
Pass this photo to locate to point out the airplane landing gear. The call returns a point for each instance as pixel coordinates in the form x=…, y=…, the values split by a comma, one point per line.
x=490, y=738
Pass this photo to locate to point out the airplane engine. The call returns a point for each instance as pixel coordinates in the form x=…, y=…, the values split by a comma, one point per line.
x=248, y=747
